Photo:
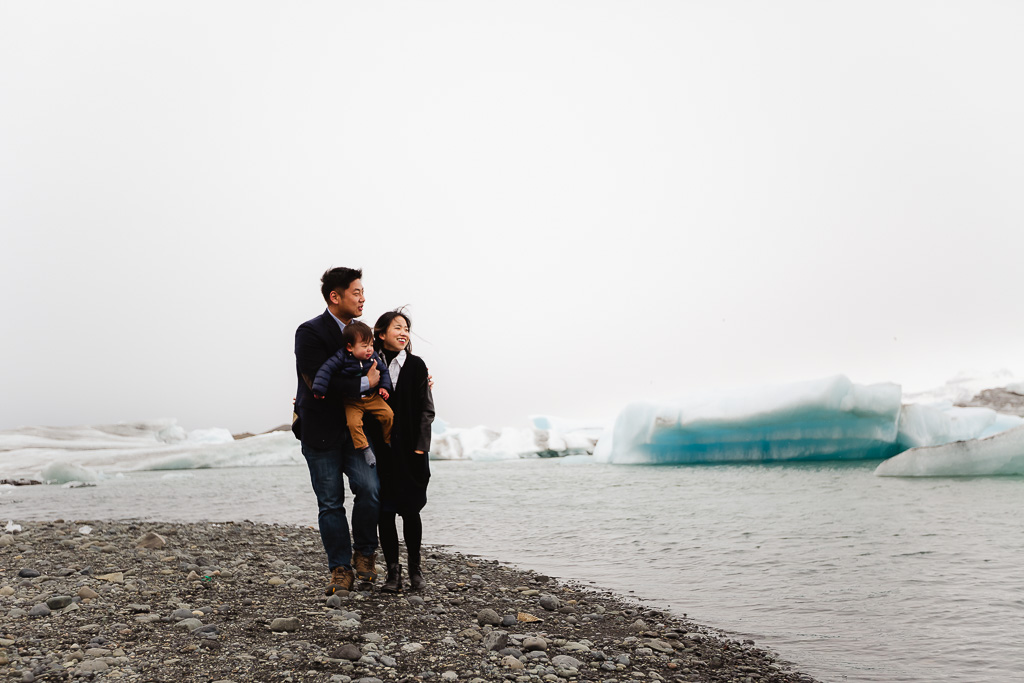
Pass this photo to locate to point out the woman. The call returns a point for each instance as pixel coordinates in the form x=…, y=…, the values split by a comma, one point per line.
x=405, y=472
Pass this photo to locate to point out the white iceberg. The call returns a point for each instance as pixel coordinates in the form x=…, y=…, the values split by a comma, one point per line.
x=88, y=453
x=941, y=423
x=1000, y=454
x=549, y=437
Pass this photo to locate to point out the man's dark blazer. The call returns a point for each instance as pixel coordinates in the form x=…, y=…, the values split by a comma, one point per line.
x=321, y=422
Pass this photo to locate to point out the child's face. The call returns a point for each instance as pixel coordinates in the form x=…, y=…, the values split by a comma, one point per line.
x=362, y=350
x=396, y=337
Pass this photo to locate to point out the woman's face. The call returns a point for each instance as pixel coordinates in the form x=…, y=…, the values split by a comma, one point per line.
x=396, y=337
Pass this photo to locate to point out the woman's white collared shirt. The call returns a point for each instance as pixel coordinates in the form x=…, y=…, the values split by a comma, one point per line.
x=395, y=367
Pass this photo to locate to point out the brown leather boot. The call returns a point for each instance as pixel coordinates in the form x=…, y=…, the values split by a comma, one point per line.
x=365, y=566
x=393, y=582
x=341, y=580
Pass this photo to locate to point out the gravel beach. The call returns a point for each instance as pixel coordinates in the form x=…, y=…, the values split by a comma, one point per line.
x=145, y=601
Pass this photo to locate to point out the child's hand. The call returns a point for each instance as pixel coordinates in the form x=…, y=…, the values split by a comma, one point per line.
x=316, y=395
x=383, y=392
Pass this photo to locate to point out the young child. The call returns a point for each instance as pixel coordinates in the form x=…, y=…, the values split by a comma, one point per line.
x=355, y=360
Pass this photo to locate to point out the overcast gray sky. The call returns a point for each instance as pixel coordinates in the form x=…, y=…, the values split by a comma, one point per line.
x=583, y=203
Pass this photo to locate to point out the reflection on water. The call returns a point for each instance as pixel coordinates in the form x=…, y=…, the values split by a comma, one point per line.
x=853, y=577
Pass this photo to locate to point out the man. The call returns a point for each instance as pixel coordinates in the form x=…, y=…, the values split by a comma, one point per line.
x=326, y=442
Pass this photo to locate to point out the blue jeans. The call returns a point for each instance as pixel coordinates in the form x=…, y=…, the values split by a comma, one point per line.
x=325, y=472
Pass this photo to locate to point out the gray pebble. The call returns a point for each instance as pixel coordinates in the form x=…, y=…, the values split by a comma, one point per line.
x=93, y=666
x=189, y=624
x=179, y=614
x=416, y=600
x=288, y=624
x=334, y=602
x=531, y=643
x=488, y=616
x=372, y=637
x=550, y=602
x=496, y=640
x=28, y=573
x=40, y=610
x=369, y=679
x=509, y=620
x=389, y=662
x=59, y=601
x=565, y=662
x=347, y=651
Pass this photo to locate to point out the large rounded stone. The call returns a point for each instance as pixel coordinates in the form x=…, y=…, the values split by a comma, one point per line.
x=287, y=624
x=59, y=601
x=347, y=651
x=565, y=662
x=488, y=617
x=532, y=643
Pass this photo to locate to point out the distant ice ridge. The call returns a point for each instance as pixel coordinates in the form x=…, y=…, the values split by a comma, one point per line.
x=826, y=419
x=89, y=453
x=994, y=455
x=549, y=437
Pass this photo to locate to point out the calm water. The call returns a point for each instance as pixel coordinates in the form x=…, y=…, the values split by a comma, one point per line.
x=853, y=577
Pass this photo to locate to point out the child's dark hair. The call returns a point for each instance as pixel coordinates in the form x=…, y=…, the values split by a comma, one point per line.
x=338, y=278
x=356, y=332
x=384, y=322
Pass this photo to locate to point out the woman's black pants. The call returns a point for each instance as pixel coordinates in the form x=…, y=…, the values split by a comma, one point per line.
x=412, y=529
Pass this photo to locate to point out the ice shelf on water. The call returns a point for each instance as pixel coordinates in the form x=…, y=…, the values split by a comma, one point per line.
x=1000, y=454
x=88, y=453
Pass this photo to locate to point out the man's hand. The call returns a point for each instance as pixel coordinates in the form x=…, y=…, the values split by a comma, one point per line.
x=430, y=380
x=383, y=392
x=373, y=375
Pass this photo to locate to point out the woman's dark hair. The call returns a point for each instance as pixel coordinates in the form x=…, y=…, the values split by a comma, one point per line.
x=338, y=278
x=382, y=325
x=356, y=332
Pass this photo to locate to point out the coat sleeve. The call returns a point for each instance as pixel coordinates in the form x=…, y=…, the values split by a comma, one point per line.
x=311, y=352
x=426, y=401
x=328, y=370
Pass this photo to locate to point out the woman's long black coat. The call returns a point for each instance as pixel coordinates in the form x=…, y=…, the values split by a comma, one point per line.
x=404, y=474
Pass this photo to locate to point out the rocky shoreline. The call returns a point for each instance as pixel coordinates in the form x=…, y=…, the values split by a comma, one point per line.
x=145, y=601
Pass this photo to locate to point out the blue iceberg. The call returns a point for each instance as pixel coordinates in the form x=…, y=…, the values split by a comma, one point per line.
x=826, y=419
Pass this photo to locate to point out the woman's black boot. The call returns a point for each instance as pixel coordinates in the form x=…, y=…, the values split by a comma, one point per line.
x=393, y=582
x=416, y=580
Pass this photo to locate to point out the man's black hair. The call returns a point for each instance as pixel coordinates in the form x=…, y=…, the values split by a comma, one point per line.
x=338, y=278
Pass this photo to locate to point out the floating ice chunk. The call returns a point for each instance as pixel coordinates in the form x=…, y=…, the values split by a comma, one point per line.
x=85, y=530
x=64, y=472
x=826, y=419
x=994, y=455
x=11, y=527
x=941, y=423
